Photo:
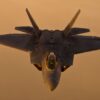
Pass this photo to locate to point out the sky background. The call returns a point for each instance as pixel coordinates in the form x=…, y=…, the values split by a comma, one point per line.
x=20, y=80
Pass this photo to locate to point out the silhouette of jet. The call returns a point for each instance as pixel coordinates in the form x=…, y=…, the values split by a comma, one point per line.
x=51, y=51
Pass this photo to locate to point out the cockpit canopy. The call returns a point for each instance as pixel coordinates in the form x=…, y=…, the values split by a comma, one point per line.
x=51, y=61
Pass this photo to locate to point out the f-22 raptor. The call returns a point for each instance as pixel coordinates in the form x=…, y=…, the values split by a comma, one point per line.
x=51, y=51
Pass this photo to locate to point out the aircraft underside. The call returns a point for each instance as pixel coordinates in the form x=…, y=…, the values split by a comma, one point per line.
x=51, y=51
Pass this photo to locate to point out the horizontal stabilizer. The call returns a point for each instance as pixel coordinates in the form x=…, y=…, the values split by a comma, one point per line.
x=26, y=29
x=75, y=31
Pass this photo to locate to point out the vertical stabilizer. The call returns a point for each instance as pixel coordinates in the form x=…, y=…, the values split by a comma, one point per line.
x=36, y=28
x=69, y=26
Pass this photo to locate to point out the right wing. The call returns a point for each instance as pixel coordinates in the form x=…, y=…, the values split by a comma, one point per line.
x=19, y=41
x=85, y=43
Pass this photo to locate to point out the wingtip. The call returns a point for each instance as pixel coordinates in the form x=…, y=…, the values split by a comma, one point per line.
x=89, y=30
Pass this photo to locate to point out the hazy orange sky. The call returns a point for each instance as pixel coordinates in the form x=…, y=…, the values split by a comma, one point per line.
x=19, y=80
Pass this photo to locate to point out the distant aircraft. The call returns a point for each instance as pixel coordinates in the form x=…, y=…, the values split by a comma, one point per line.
x=51, y=51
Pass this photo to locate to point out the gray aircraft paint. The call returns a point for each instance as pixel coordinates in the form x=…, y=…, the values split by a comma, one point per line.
x=40, y=43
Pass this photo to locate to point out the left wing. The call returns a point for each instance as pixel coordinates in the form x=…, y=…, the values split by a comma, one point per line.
x=19, y=41
x=85, y=43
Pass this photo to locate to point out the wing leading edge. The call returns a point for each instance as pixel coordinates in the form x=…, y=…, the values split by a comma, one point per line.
x=85, y=43
x=18, y=41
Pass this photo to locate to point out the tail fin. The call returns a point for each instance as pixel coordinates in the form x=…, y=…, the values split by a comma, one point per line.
x=36, y=28
x=69, y=26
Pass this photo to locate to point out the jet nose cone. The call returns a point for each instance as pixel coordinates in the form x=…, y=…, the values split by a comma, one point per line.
x=53, y=85
x=52, y=80
x=52, y=88
x=51, y=72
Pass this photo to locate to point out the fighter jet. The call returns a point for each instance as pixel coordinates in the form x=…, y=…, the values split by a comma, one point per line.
x=51, y=51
